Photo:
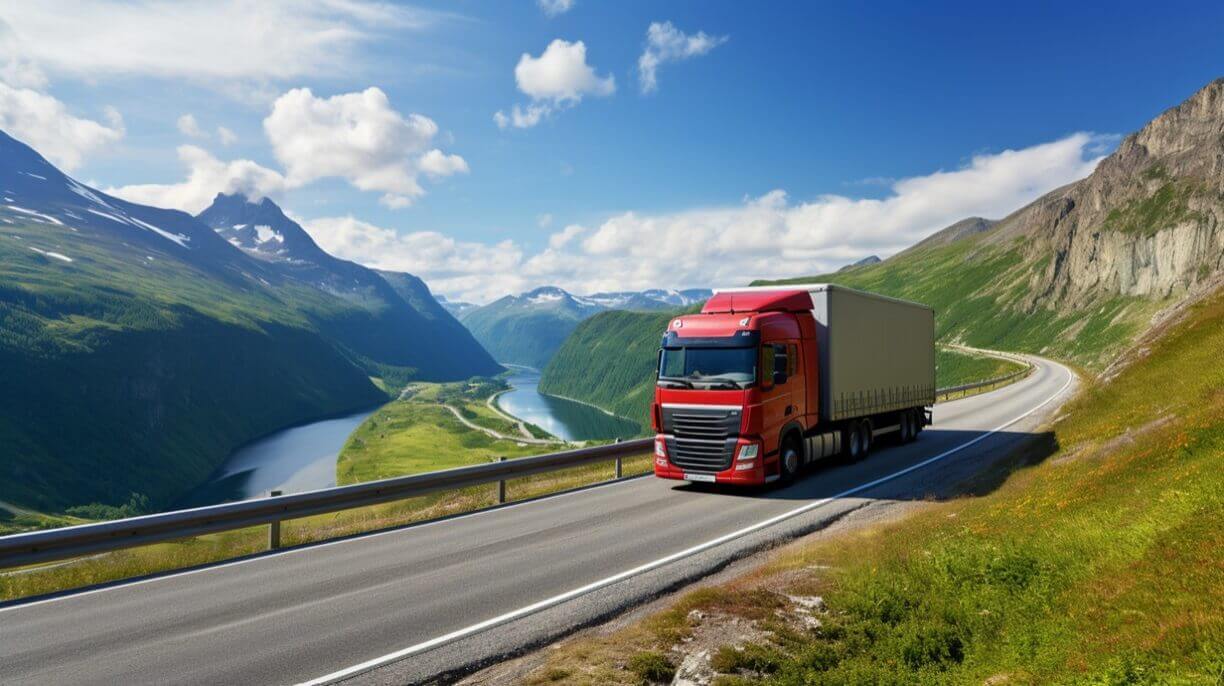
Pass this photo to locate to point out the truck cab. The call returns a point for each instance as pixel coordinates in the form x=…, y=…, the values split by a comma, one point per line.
x=729, y=380
x=738, y=396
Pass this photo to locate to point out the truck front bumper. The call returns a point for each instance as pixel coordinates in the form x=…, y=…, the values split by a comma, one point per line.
x=753, y=475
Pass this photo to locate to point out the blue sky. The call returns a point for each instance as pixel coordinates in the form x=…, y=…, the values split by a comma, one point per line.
x=781, y=139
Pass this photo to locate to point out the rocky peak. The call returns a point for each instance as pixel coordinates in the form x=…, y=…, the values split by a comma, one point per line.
x=1148, y=222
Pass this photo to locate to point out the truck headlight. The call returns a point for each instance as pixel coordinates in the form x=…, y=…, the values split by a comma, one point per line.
x=748, y=452
x=660, y=449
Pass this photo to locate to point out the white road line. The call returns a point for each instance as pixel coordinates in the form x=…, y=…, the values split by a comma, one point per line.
x=18, y=605
x=649, y=566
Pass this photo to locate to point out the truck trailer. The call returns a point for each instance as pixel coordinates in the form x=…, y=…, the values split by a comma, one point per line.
x=766, y=380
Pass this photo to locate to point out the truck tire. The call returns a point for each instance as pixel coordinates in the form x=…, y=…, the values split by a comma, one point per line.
x=908, y=428
x=853, y=440
x=868, y=437
x=789, y=463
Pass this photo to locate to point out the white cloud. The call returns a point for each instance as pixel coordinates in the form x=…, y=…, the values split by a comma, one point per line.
x=205, y=40
x=555, y=7
x=437, y=163
x=226, y=136
x=188, y=126
x=206, y=176
x=560, y=77
x=665, y=43
x=544, y=220
x=764, y=237
x=43, y=123
x=481, y=269
x=358, y=137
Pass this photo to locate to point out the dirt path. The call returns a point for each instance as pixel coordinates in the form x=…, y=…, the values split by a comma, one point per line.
x=500, y=436
x=492, y=403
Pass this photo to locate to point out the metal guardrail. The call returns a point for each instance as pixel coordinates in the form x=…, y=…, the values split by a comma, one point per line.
x=85, y=539
x=996, y=381
x=74, y=541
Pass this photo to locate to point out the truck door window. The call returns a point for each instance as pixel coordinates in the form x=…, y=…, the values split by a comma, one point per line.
x=792, y=359
x=780, y=362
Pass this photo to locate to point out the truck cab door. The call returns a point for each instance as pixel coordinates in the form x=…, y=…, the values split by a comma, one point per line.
x=781, y=391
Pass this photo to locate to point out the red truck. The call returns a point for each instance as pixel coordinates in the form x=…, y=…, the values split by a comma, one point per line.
x=766, y=380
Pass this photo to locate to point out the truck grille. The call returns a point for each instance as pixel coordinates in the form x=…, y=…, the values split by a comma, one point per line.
x=701, y=438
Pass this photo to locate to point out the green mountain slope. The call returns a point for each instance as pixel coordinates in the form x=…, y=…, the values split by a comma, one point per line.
x=609, y=361
x=139, y=348
x=527, y=329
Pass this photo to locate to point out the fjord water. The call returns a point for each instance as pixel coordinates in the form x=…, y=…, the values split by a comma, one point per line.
x=567, y=419
x=300, y=458
x=303, y=458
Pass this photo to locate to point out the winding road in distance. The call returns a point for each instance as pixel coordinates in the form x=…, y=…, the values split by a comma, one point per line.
x=444, y=597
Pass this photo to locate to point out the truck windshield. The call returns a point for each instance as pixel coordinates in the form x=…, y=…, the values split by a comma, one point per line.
x=732, y=367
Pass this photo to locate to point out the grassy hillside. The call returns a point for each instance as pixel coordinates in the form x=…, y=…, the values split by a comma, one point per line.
x=418, y=433
x=1100, y=565
x=610, y=360
x=128, y=374
x=976, y=287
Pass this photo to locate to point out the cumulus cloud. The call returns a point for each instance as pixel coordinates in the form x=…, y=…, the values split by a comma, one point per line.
x=559, y=78
x=454, y=266
x=188, y=126
x=45, y=124
x=204, y=40
x=226, y=136
x=206, y=176
x=665, y=43
x=555, y=7
x=769, y=236
x=358, y=137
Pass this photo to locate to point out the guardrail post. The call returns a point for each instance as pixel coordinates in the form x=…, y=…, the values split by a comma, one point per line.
x=273, y=527
x=501, y=485
x=619, y=464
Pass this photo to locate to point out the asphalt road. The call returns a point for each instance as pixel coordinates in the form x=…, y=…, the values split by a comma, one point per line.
x=440, y=598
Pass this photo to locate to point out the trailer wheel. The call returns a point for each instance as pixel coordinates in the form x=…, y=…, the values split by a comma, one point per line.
x=854, y=442
x=907, y=426
x=868, y=439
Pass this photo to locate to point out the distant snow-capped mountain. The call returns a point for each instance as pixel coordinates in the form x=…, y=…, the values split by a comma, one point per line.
x=528, y=328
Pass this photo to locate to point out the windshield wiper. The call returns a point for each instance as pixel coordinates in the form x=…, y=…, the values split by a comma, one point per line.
x=684, y=383
x=722, y=382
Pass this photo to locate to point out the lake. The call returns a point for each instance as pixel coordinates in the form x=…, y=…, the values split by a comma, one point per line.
x=303, y=458
x=300, y=458
x=572, y=421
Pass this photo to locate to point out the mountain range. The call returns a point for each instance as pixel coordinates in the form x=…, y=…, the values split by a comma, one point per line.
x=140, y=346
x=1078, y=274
x=527, y=329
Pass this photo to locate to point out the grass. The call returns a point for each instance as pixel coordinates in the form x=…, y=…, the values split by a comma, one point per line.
x=1098, y=565
x=955, y=368
x=403, y=437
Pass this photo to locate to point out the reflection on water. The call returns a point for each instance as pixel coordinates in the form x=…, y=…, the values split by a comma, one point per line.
x=565, y=419
x=301, y=458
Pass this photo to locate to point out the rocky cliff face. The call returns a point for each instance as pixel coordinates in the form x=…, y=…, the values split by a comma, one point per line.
x=1149, y=221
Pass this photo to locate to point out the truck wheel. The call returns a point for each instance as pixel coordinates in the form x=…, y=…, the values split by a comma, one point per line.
x=915, y=423
x=907, y=426
x=789, y=463
x=854, y=441
x=868, y=439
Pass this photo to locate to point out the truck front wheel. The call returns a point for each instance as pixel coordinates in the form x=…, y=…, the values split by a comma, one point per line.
x=789, y=462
